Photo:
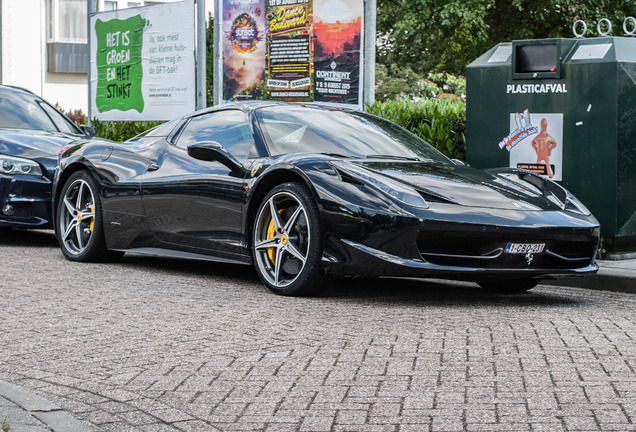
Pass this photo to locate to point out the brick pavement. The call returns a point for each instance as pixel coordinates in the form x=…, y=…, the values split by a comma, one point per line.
x=166, y=345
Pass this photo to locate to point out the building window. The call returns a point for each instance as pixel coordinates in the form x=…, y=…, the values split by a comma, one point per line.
x=67, y=21
x=110, y=5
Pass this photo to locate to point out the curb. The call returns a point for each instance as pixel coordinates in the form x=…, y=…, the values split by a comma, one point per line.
x=607, y=279
x=42, y=409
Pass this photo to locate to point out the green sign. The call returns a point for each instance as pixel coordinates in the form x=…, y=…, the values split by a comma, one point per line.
x=119, y=69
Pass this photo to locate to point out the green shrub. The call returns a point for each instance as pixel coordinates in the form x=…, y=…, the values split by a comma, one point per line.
x=116, y=131
x=75, y=115
x=441, y=123
x=448, y=83
x=396, y=82
x=123, y=130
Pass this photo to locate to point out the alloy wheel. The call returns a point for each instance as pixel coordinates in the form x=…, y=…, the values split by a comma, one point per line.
x=282, y=240
x=77, y=216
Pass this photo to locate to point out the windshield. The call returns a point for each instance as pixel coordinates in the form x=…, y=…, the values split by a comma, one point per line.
x=21, y=111
x=297, y=129
x=162, y=130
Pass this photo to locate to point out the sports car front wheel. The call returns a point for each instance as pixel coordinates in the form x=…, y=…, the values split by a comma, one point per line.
x=79, y=228
x=287, y=242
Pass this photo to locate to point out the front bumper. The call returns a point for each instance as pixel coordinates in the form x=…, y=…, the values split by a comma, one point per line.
x=462, y=243
x=30, y=199
x=368, y=262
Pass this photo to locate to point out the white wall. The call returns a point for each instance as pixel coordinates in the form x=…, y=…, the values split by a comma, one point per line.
x=22, y=43
x=70, y=91
x=24, y=58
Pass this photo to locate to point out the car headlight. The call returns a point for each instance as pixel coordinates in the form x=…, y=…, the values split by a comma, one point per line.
x=15, y=165
x=393, y=188
x=562, y=196
x=566, y=200
x=572, y=203
x=553, y=191
x=398, y=191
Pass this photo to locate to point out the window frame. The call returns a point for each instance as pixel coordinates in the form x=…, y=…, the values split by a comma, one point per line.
x=180, y=129
x=53, y=32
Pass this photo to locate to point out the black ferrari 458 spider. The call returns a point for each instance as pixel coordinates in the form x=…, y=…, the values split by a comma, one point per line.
x=306, y=193
x=32, y=132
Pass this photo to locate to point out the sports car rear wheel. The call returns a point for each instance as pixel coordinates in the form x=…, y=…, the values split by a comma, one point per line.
x=79, y=228
x=509, y=285
x=287, y=242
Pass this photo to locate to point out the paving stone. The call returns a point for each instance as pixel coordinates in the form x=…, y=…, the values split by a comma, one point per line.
x=152, y=344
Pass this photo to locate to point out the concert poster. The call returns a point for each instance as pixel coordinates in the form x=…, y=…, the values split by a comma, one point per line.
x=289, y=53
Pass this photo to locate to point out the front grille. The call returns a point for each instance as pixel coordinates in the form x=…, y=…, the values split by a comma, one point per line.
x=486, y=251
x=570, y=254
x=449, y=246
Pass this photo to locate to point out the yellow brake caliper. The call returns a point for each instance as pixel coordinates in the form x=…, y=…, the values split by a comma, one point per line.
x=271, y=232
x=93, y=220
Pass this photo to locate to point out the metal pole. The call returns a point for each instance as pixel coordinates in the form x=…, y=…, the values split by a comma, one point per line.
x=201, y=55
x=369, y=51
x=218, y=52
x=90, y=8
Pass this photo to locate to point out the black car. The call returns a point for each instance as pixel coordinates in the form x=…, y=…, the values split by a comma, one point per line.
x=32, y=132
x=305, y=193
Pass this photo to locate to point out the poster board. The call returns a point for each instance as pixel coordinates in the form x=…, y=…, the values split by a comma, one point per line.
x=292, y=51
x=535, y=143
x=142, y=63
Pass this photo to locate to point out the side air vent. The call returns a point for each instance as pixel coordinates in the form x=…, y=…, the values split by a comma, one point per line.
x=348, y=178
x=434, y=198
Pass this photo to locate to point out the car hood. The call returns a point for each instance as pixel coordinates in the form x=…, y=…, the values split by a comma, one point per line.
x=465, y=186
x=33, y=144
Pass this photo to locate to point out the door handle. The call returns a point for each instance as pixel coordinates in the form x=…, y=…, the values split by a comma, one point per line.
x=153, y=166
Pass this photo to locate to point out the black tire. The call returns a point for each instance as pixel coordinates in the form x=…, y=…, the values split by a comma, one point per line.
x=509, y=285
x=79, y=228
x=287, y=249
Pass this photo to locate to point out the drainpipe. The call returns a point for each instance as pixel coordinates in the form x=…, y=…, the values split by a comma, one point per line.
x=369, y=52
x=218, y=53
x=201, y=56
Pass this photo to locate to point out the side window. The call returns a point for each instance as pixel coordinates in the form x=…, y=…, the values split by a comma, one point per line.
x=228, y=128
x=23, y=112
x=60, y=122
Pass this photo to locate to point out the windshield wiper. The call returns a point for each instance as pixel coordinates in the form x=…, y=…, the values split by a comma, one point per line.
x=340, y=155
x=386, y=156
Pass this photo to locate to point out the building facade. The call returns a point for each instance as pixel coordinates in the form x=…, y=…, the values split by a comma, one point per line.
x=44, y=46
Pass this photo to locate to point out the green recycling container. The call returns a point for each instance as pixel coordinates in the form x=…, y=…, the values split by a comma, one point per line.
x=566, y=109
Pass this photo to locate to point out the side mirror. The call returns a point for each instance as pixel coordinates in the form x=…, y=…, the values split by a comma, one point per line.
x=213, y=151
x=89, y=132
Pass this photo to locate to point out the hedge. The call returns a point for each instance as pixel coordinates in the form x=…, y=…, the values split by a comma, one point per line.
x=441, y=123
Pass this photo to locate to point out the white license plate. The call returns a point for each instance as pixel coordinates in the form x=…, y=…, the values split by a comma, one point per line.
x=522, y=248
